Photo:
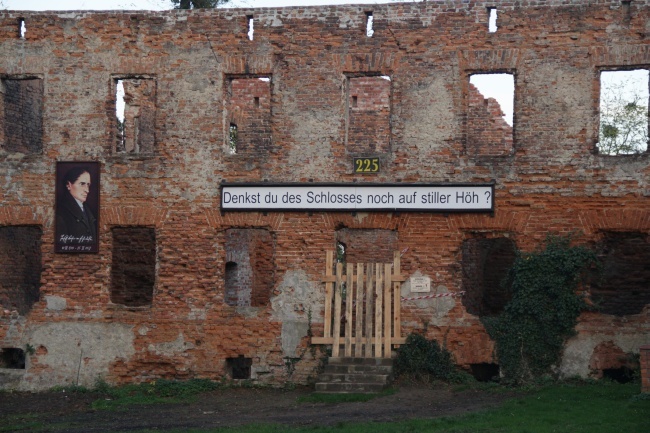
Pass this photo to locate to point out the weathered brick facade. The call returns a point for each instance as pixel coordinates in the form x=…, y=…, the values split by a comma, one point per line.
x=203, y=73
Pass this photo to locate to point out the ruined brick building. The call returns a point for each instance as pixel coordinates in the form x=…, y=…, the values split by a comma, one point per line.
x=179, y=288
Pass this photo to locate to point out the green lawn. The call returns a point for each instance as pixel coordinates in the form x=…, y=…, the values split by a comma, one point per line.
x=602, y=407
x=592, y=408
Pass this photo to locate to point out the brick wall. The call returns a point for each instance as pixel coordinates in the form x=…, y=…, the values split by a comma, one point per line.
x=20, y=273
x=206, y=74
x=488, y=133
x=620, y=287
x=138, y=135
x=249, y=108
x=368, y=115
x=645, y=369
x=485, y=263
x=23, y=115
x=250, y=267
x=133, y=270
x=368, y=245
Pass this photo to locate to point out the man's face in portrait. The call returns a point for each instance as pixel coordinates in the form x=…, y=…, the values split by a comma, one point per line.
x=80, y=188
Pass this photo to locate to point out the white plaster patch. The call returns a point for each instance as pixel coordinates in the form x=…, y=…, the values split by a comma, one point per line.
x=77, y=353
x=298, y=295
x=171, y=348
x=247, y=311
x=429, y=108
x=197, y=313
x=578, y=350
x=56, y=303
x=292, y=333
x=434, y=308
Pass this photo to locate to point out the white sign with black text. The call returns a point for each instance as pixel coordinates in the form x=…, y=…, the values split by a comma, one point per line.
x=420, y=284
x=361, y=197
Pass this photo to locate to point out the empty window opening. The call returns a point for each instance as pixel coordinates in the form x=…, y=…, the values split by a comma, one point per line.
x=135, y=110
x=239, y=368
x=485, y=264
x=21, y=115
x=624, y=118
x=119, y=113
x=11, y=357
x=251, y=28
x=627, y=10
x=492, y=20
x=620, y=375
x=610, y=361
x=622, y=286
x=20, y=269
x=340, y=252
x=248, y=117
x=250, y=267
x=368, y=119
x=232, y=137
x=231, y=283
x=500, y=88
x=490, y=113
x=133, y=271
x=366, y=245
x=369, y=23
x=485, y=372
x=22, y=28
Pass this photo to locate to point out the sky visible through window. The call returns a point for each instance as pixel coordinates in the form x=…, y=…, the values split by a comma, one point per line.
x=500, y=87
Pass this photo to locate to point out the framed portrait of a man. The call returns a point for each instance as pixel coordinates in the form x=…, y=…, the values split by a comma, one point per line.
x=77, y=207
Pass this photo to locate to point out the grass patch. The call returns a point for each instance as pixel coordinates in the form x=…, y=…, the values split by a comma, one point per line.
x=567, y=408
x=161, y=391
x=18, y=423
x=344, y=398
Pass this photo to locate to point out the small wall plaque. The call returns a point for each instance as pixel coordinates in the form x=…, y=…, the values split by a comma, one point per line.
x=420, y=284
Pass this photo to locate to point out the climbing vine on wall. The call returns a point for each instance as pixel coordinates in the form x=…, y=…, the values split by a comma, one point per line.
x=543, y=311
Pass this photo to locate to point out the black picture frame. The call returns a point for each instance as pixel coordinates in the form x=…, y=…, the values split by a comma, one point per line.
x=76, y=227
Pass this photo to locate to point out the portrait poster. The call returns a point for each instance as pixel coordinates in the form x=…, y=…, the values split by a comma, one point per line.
x=77, y=207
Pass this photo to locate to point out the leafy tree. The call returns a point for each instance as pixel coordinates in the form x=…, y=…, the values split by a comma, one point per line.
x=197, y=4
x=623, y=114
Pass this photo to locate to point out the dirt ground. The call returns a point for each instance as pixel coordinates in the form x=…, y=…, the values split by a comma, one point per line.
x=72, y=412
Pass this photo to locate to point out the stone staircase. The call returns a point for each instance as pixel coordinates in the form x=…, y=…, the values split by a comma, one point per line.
x=355, y=375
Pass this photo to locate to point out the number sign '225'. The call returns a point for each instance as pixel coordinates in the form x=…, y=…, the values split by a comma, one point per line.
x=366, y=165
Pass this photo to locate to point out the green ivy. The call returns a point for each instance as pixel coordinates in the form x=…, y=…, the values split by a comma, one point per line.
x=543, y=312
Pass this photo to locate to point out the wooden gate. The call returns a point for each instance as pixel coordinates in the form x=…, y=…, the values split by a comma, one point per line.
x=362, y=308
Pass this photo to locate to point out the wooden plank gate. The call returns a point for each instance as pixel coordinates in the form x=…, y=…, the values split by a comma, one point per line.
x=362, y=308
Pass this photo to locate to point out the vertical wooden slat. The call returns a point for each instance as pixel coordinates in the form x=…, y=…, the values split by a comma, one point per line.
x=397, y=300
x=388, y=323
x=337, y=310
x=329, y=261
x=378, y=310
x=375, y=322
x=349, y=291
x=358, y=335
x=370, y=300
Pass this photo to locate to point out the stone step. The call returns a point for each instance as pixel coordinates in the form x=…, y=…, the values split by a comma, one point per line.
x=355, y=375
x=354, y=378
x=348, y=388
x=358, y=368
x=346, y=360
